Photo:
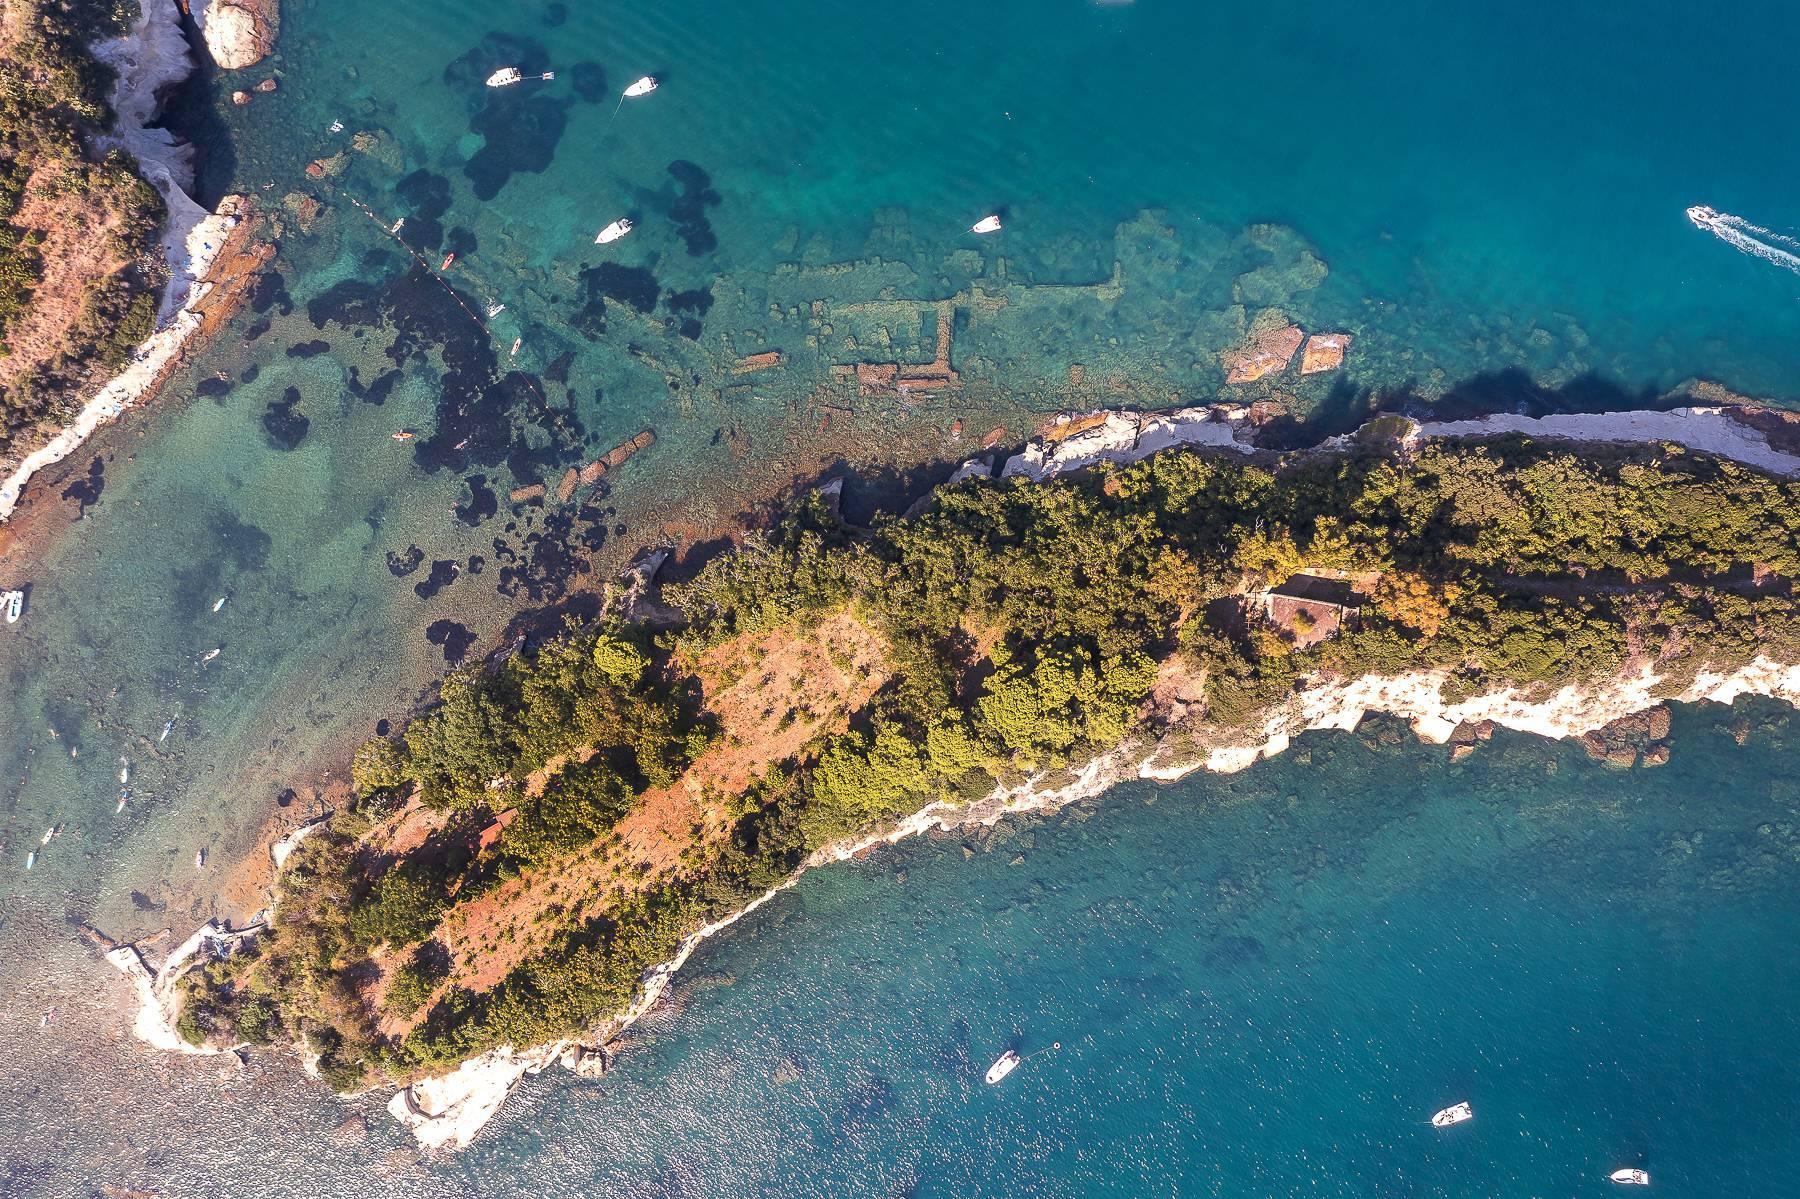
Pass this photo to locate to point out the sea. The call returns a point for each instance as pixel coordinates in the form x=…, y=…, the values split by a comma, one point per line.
x=1254, y=985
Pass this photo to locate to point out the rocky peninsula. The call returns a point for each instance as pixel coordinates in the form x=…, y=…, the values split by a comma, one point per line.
x=203, y=259
x=1133, y=595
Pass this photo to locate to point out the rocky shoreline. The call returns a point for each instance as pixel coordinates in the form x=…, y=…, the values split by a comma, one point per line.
x=210, y=256
x=448, y=1111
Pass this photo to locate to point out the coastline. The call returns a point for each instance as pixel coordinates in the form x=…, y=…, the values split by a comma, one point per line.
x=209, y=255
x=449, y=1110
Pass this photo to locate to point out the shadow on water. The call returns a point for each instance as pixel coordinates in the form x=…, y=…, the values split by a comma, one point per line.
x=1513, y=391
x=191, y=111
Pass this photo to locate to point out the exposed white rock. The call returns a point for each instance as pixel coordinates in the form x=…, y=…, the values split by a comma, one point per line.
x=283, y=849
x=974, y=468
x=238, y=33
x=159, y=999
x=1708, y=430
x=448, y=1111
x=152, y=56
x=1124, y=437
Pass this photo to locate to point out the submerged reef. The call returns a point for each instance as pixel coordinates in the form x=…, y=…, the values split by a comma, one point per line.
x=527, y=863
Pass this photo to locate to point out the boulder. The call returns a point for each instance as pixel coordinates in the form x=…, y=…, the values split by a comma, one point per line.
x=326, y=168
x=240, y=98
x=1323, y=352
x=1263, y=354
x=238, y=33
x=267, y=85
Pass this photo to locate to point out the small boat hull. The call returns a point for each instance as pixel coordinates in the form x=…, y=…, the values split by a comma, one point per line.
x=1005, y=1064
x=12, y=605
x=1456, y=1113
x=1630, y=1177
x=642, y=87
x=987, y=224
x=612, y=232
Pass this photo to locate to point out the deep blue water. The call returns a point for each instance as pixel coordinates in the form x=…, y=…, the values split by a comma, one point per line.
x=1256, y=994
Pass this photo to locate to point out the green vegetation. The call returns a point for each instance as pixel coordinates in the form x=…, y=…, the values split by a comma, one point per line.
x=1023, y=627
x=86, y=256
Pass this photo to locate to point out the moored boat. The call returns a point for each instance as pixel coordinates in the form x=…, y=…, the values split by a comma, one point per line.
x=505, y=77
x=613, y=232
x=12, y=604
x=448, y=259
x=1630, y=1177
x=1456, y=1113
x=1003, y=1065
x=987, y=224
x=642, y=87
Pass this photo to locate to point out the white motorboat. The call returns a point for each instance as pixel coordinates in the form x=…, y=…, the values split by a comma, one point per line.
x=987, y=224
x=124, y=795
x=505, y=77
x=220, y=602
x=1005, y=1064
x=209, y=655
x=12, y=603
x=642, y=87
x=165, y=732
x=48, y=834
x=494, y=310
x=31, y=859
x=514, y=352
x=1630, y=1177
x=397, y=226
x=337, y=127
x=124, y=772
x=1456, y=1113
x=613, y=232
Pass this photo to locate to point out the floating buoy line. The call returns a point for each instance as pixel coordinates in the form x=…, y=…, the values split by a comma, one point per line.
x=392, y=232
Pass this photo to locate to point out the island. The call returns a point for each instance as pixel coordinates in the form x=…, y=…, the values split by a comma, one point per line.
x=515, y=874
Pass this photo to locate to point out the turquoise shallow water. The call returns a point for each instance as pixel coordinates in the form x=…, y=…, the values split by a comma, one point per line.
x=1263, y=984
x=1479, y=198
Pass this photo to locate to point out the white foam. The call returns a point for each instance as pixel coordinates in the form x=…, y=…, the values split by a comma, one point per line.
x=1752, y=239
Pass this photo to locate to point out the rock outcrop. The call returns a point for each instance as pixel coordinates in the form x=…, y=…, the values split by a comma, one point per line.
x=238, y=33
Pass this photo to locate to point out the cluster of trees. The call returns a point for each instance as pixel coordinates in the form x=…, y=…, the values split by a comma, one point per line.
x=1023, y=626
x=52, y=102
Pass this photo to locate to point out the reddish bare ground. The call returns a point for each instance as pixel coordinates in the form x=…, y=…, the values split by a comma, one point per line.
x=771, y=693
x=81, y=245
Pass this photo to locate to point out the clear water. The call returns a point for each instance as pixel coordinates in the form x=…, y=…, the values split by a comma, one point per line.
x=1262, y=984
x=1498, y=199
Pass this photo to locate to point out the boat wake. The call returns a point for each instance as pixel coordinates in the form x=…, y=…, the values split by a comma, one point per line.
x=1735, y=231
